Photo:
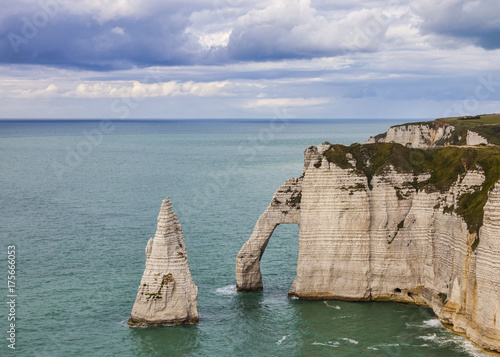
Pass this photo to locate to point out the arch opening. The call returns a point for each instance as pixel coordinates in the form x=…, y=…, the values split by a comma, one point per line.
x=279, y=263
x=284, y=208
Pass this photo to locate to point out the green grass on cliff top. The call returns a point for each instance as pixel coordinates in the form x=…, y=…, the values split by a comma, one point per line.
x=468, y=121
x=445, y=165
x=486, y=125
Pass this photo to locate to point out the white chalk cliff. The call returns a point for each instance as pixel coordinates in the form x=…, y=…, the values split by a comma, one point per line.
x=417, y=136
x=167, y=293
x=383, y=237
x=474, y=138
x=432, y=134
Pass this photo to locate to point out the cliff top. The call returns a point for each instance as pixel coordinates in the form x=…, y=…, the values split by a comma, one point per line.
x=444, y=165
x=445, y=149
x=466, y=120
x=486, y=125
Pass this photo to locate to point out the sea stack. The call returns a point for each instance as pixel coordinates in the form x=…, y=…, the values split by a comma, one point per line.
x=167, y=293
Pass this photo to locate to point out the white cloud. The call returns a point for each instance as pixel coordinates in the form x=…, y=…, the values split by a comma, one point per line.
x=214, y=39
x=49, y=91
x=295, y=29
x=286, y=102
x=135, y=89
x=105, y=10
x=118, y=31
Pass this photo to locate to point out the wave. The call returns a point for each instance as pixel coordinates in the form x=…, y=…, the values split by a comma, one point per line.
x=375, y=347
x=328, y=344
x=333, y=307
x=433, y=323
x=342, y=317
x=462, y=344
x=350, y=340
x=226, y=290
x=281, y=340
x=123, y=323
x=432, y=337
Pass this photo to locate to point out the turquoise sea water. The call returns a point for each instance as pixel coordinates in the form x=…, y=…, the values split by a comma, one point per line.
x=80, y=212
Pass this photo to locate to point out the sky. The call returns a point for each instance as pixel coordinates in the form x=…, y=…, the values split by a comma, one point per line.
x=184, y=59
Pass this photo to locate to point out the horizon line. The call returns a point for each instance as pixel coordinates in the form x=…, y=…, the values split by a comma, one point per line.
x=203, y=119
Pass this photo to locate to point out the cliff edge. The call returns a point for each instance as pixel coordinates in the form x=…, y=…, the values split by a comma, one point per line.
x=391, y=222
x=167, y=293
x=465, y=131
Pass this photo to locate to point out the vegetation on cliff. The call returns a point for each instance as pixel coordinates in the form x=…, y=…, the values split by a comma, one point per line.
x=486, y=125
x=444, y=165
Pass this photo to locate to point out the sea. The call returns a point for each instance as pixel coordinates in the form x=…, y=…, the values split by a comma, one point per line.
x=80, y=199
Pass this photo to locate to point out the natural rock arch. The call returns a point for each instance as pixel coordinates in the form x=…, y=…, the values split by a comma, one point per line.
x=389, y=235
x=284, y=208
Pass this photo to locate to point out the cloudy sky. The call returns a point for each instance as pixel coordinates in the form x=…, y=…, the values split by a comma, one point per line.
x=249, y=59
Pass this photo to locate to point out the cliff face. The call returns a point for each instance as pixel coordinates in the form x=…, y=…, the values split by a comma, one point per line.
x=481, y=320
x=418, y=136
x=167, y=293
x=474, y=138
x=471, y=131
x=381, y=230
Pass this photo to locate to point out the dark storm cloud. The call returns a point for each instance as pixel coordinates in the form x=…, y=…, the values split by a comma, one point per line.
x=34, y=36
x=31, y=34
x=474, y=22
x=107, y=35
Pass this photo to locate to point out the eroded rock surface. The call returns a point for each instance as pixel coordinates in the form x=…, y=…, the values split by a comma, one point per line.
x=167, y=293
x=474, y=138
x=418, y=136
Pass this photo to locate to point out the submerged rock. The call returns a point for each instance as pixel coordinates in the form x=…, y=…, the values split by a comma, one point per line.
x=167, y=293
